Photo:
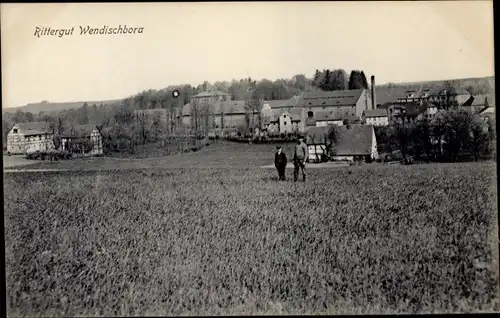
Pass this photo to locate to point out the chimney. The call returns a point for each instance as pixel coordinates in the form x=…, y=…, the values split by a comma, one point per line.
x=374, y=104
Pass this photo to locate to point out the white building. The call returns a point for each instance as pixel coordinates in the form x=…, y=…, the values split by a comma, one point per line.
x=376, y=117
x=26, y=138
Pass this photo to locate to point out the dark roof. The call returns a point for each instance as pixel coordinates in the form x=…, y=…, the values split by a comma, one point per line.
x=35, y=128
x=354, y=140
x=276, y=103
x=451, y=91
x=79, y=131
x=482, y=100
x=379, y=112
x=333, y=98
x=386, y=95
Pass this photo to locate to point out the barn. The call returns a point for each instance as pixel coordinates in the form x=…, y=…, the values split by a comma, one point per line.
x=26, y=138
x=355, y=141
x=84, y=139
x=350, y=142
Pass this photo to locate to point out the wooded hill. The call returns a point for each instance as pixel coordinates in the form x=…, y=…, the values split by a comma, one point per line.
x=271, y=90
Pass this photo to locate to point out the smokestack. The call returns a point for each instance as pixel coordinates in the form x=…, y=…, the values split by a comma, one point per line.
x=374, y=104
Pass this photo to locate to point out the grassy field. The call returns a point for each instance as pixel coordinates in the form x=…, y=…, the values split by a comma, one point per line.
x=372, y=239
x=222, y=155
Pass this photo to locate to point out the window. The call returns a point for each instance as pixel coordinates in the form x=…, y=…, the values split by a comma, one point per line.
x=284, y=123
x=15, y=131
x=310, y=114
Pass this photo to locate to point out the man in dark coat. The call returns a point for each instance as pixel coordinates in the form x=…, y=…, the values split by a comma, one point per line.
x=280, y=162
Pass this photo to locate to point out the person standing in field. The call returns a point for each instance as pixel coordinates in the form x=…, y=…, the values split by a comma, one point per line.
x=300, y=157
x=280, y=162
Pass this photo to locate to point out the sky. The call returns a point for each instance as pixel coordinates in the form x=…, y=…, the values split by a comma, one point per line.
x=188, y=43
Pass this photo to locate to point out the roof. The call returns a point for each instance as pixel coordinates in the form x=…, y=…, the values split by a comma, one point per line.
x=353, y=140
x=79, y=131
x=209, y=94
x=379, y=112
x=482, y=100
x=276, y=103
x=292, y=102
x=34, y=128
x=451, y=91
x=330, y=98
x=386, y=95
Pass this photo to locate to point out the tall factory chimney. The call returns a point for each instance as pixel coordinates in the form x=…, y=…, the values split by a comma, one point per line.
x=374, y=104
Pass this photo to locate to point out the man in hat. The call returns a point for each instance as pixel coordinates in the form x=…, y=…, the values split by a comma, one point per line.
x=300, y=157
x=280, y=162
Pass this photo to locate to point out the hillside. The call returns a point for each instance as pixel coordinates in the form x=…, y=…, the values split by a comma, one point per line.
x=56, y=107
x=482, y=85
x=478, y=83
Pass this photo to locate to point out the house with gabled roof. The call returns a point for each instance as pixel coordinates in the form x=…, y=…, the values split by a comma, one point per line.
x=26, y=138
x=82, y=139
x=355, y=141
x=457, y=95
x=350, y=142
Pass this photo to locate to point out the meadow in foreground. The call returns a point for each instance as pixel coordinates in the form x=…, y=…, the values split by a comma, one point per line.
x=235, y=241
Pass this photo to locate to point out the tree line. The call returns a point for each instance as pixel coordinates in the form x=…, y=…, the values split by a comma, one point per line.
x=452, y=133
x=127, y=129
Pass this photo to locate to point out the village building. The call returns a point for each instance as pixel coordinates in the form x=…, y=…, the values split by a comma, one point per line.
x=400, y=95
x=340, y=104
x=459, y=96
x=26, y=138
x=376, y=117
x=83, y=139
x=479, y=103
x=353, y=141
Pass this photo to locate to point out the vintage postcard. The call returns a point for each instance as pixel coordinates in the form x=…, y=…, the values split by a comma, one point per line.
x=249, y=158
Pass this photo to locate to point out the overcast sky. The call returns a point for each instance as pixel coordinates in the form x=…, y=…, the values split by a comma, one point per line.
x=187, y=43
